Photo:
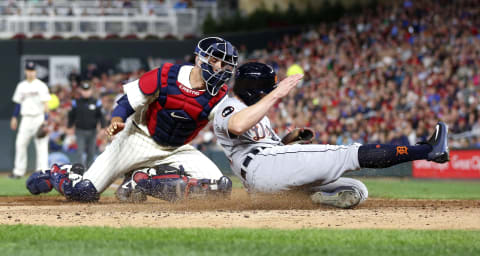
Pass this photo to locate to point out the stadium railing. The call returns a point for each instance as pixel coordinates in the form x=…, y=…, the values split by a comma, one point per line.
x=87, y=19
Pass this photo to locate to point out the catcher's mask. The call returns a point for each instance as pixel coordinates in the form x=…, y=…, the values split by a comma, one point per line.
x=220, y=49
x=254, y=80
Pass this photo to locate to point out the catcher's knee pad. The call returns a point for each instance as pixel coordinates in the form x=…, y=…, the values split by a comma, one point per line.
x=39, y=182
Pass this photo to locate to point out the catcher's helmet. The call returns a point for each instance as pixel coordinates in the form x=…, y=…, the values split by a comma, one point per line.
x=253, y=80
x=216, y=47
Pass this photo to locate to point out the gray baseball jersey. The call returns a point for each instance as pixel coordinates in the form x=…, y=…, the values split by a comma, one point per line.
x=237, y=147
x=265, y=164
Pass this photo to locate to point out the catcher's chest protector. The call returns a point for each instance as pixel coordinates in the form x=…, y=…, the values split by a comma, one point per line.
x=179, y=113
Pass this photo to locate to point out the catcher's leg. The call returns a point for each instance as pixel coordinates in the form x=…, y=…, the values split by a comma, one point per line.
x=68, y=180
x=171, y=184
x=342, y=193
x=128, y=192
x=198, y=166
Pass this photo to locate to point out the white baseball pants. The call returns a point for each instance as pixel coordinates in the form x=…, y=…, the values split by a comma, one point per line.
x=27, y=130
x=133, y=149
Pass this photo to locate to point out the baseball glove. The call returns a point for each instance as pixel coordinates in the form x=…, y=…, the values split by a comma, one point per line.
x=42, y=131
x=299, y=136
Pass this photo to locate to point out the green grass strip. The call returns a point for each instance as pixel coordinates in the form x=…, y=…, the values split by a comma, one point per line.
x=378, y=187
x=40, y=240
x=14, y=187
x=423, y=189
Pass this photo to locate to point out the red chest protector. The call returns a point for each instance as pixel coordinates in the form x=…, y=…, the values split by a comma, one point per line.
x=179, y=113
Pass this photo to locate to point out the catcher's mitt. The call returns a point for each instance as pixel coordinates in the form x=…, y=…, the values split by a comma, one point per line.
x=42, y=131
x=299, y=136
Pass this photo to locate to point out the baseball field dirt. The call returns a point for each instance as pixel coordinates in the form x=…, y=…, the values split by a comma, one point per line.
x=286, y=211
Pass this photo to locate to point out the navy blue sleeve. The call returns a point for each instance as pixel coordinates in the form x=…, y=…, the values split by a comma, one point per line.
x=16, y=110
x=123, y=109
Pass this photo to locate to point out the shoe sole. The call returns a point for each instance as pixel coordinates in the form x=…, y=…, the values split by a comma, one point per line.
x=343, y=199
x=442, y=157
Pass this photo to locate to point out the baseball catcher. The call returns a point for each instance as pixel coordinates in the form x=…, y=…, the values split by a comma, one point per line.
x=265, y=163
x=153, y=124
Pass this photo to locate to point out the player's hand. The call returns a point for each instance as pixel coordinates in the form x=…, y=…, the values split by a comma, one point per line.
x=116, y=125
x=287, y=84
x=13, y=123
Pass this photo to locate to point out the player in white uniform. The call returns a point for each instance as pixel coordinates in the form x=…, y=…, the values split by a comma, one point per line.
x=265, y=164
x=30, y=98
x=158, y=115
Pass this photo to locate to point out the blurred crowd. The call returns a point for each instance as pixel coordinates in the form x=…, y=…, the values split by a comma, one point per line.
x=107, y=88
x=93, y=7
x=387, y=76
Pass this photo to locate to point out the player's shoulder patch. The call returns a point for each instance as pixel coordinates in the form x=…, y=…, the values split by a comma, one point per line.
x=227, y=111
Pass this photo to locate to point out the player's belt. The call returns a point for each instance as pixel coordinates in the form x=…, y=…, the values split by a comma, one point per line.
x=247, y=161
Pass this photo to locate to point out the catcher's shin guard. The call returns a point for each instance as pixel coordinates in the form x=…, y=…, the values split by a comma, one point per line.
x=68, y=181
x=162, y=181
x=171, y=184
x=202, y=188
x=167, y=184
x=128, y=192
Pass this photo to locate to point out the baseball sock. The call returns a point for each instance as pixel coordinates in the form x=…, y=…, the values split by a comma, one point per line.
x=385, y=155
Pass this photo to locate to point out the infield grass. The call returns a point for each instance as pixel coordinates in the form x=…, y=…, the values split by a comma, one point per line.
x=16, y=187
x=423, y=189
x=415, y=188
x=378, y=187
x=40, y=240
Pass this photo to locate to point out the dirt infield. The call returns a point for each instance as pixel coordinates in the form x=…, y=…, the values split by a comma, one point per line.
x=290, y=211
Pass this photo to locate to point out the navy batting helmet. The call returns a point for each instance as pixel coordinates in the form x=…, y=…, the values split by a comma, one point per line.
x=253, y=80
x=221, y=49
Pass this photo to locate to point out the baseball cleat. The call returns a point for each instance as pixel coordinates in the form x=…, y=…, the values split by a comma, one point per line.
x=347, y=198
x=439, y=143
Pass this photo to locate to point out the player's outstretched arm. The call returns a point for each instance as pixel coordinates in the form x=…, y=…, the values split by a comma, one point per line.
x=240, y=122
